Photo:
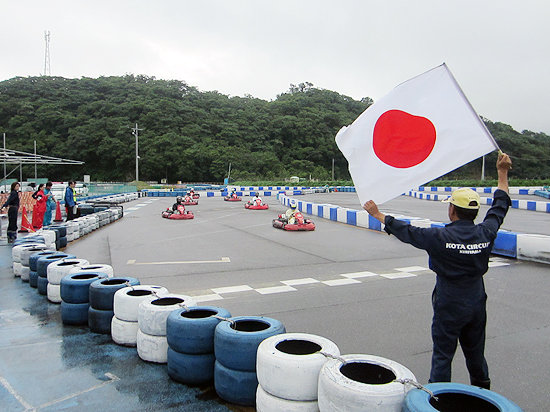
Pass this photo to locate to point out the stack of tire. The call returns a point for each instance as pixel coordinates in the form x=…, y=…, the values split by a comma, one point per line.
x=75, y=296
x=25, y=260
x=42, y=269
x=457, y=397
x=57, y=271
x=152, y=344
x=102, y=293
x=235, y=347
x=33, y=261
x=190, y=338
x=49, y=237
x=61, y=235
x=124, y=326
x=16, y=254
x=288, y=367
x=73, y=231
x=363, y=383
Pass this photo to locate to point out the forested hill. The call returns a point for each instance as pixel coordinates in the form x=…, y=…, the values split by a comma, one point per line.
x=192, y=135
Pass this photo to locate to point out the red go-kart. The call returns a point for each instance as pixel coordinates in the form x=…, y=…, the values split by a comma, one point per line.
x=179, y=214
x=195, y=195
x=232, y=198
x=189, y=202
x=300, y=223
x=257, y=205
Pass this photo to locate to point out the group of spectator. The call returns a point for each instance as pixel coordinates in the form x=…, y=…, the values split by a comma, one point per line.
x=43, y=209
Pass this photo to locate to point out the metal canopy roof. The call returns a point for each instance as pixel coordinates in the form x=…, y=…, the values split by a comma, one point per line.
x=8, y=156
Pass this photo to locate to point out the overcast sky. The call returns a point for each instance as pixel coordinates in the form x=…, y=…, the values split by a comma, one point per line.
x=497, y=49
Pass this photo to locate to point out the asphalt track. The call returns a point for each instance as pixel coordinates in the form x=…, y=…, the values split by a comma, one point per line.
x=363, y=289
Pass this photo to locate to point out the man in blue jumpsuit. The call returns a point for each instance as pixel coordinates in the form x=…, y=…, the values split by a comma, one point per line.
x=459, y=255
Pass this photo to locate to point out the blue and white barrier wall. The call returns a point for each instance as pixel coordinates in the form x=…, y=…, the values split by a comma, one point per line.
x=515, y=245
x=538, y=206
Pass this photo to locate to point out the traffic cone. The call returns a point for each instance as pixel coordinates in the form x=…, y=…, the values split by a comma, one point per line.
x=25, y=224
x=58, y=217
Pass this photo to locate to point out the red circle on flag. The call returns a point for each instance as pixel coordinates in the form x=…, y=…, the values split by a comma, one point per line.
x=402, y=140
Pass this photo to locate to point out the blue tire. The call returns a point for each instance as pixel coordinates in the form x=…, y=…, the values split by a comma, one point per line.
x=236, y=343
x=191, y=331
x=102, y=291
x=44, y=261
x=29, y=239
x=61, y=243
x=99, y=321
x=33, y=279
x=191, y=369
x=74, y=313
x=60, y=230
x=33, y=259
x=457, y=396
x=42, y=285
x=238, y=387
x=75, y=288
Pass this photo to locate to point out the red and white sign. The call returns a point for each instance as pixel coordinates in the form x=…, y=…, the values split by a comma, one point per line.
x=423, y=129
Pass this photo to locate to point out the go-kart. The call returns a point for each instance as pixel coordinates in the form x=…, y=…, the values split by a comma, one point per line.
x=256, y=205
x=300, y=223
x=230, y=198
x=189, y=202
x=178, y=214
x=195, y=195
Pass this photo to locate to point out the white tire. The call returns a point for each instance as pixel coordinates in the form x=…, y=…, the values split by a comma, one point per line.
x=107, y=269
x=16, y=251
x=376, y=392
x=154, y=311
x=266, y=402
x=152, y=348
x=126, y=300
x=288, y=364
x=54, y=293
x=26, y=253
x=25, y=271
x=17, y=267
x=49, y=236
x=60, y=268
x=124, y=333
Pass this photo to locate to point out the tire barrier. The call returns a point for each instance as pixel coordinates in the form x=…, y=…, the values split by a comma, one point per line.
x=42, y=269
x=190, y=337
x=357, y=383
x=152, y=314
x=236, y=344
x=75, y=296
x=126, y=302
x=101, y=293
x=288, y=365
x=457, y=397
x=33, y=259
x=57, y=271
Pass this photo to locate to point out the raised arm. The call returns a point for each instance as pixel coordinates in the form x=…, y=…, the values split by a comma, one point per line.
x=504, y=163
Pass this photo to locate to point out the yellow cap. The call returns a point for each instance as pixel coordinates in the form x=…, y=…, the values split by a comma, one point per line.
x=465, y=198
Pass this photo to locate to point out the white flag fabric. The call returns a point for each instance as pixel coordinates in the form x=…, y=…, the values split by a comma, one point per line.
x=423, y=129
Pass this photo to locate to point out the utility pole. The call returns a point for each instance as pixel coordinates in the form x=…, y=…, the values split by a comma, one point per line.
x=135, y=132
x=483, y=168
x=47, y=67
x=4, y=156
x=333, y=169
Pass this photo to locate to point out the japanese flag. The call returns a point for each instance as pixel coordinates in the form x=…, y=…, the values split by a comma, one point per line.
x=422, y=129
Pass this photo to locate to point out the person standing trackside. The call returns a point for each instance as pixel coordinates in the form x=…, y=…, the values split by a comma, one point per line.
x=70, y=202
x=50, y=205
x=13, y=209
x=459, y=255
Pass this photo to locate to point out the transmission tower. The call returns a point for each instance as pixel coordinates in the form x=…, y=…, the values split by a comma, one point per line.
x=47, y=68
